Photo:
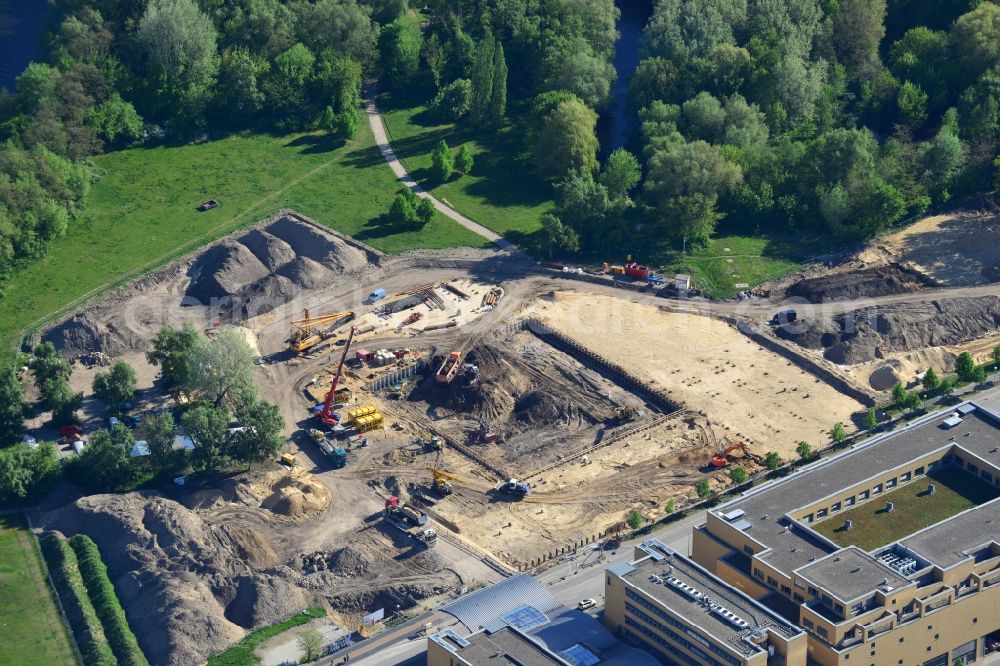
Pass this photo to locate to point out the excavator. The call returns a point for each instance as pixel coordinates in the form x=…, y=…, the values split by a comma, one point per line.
x=325, y=416
x=721, y=459
x=304, y=334
x=441, y=479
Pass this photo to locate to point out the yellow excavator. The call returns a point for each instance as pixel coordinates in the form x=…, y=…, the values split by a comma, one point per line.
x=441, y=479
x=305, y=333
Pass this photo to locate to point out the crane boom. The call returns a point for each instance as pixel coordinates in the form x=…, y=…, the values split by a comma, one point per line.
x=326, y=416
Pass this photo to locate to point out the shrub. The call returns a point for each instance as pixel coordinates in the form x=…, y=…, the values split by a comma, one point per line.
x=105, y=600
x=83, y=620
x=703, y=489
x=634, y=520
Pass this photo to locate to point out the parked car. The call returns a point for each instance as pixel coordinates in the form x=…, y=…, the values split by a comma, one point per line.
x=586, y=603
x=113, y=421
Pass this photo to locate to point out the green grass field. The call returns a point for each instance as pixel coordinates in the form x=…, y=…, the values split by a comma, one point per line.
x=142, y=212
x=728, y=261
x=914, y=509
x=32, y=628
x=242, y=654
x=501, y=193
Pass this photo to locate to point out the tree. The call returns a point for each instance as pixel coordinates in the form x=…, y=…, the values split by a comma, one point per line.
x=311, y=642
x=947, y=386
x=208, y=426
x=178, y=40
x=158, y=433
x=996, y=356
x=403, y=210
x=979, y=375
x=913, y=402
x=930, y=380
x=172, y=351
x=703, y=489
x=104, y=463
x=483, y=76
x=453, y=101
x=772, y=460
x=61, y=401
x=498, y=98
x=238, y=96
x=442, y=162
x=975, y=37
x=399, y=45
x=634, y=519
x=27, y=471
x=47, y=363
x=567, y=141
x=620, y=174
x=738, y=475
x=871, y=419
x=898, y=394
x=965, y=366
x=348, y=122
x=425, y=211
x=11, y=406
x=116, y=121
x=911, y=101
x=261, y=437
x=556, y=236
x=117, y=386
x=587, y=76
x=463, y=160
x=837, y=433
x=671, y=506
x=222, y=370
x=858, y=29
x=804, y=450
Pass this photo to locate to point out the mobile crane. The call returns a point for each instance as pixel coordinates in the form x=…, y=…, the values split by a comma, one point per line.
x=441, y=479
x=325, y=416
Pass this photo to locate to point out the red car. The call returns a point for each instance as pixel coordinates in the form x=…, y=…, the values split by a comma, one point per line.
x=71, y=429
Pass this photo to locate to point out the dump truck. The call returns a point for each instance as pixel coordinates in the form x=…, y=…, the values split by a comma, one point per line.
x=449, y=368
x=336, y=454
x=409, y=521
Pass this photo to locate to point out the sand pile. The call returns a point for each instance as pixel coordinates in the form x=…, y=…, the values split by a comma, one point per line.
x=187, y=588
x=268, y=266
x=868, y=283
x=864, y=335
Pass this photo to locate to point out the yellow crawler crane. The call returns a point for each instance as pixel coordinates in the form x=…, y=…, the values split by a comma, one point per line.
x=441, y=479
x=305, y=335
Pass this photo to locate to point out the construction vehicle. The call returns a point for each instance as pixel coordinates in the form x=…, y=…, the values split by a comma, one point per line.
x=637, y=271
x=514, y=488
x=288, y=460
x=405, y=518
x=441, y=479
x=722, y=458
x=485, y=434
x=325, y=416
x=305, y=335
x=625, y=414
x=430, y=443
x=449, y=368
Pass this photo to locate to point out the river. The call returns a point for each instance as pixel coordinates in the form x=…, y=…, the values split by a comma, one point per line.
x=21, y=23
x=617, y=120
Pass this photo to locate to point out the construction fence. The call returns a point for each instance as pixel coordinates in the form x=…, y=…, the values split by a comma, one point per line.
x=390, y=380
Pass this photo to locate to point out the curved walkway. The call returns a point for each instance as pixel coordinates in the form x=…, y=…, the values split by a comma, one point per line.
x=382, y=139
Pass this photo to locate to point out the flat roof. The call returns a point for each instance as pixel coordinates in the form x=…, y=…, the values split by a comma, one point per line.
x=852, y=573
x=663, y=562
x=504, y=646
x=764, y=510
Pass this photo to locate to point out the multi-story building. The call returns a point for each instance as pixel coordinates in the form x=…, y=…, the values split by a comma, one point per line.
x=887, y=555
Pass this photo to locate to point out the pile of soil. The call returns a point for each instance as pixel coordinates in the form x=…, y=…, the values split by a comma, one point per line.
x=276, y=262
x=861, y=336
x=296, y=496
x=867, y=283
x=84, y=333
x=541, y=407
x=187, y=588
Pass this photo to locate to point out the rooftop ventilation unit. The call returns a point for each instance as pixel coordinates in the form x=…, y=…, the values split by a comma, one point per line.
x=900, y=564
x=678, y=584
x=729, y=616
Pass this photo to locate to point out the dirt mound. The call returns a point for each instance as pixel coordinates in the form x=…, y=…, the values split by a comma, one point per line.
x=85, y=333
x=223, y=271
x=307, y=241
x=186, y=587
x=540, y=407
x=270, y=250
x=868, y=283
x=306, y=273
x=297, y=497
x=864, y=335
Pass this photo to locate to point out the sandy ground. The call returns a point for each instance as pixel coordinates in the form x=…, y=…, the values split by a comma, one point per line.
x=956, y=249
x=707, y=365
x=882, y=375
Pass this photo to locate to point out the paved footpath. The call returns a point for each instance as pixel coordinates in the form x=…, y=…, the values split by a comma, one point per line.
x=382, y=139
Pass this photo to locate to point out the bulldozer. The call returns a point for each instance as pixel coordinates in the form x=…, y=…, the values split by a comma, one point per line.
x=441, y=479
x=288, y=460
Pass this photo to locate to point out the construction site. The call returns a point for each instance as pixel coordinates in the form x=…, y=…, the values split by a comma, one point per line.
x=455, y=416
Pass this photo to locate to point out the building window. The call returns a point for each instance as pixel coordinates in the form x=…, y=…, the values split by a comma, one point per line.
x=807, y=623
x=972, y=469
x=748, y=550
x=787, y=591
x=758, y=574
x=821, y=513
x=905, y=476
x=891, y=483
x=836, y=507
x=863, y=495
x=919, y=471
x=840, y=609
x=822, y=631
x=812, y=591
x=849, y=501
x=808, y=518
x=986, y=476
x=800, y=599
x=772, y=582
x=877, y=490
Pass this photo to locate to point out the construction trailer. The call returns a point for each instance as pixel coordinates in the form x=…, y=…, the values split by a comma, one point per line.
x=449, y=368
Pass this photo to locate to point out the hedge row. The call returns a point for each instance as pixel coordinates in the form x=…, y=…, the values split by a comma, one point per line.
x=106, y=603
x=82, y=617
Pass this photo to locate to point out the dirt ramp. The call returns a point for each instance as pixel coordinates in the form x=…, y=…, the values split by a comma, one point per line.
x=868, y=283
